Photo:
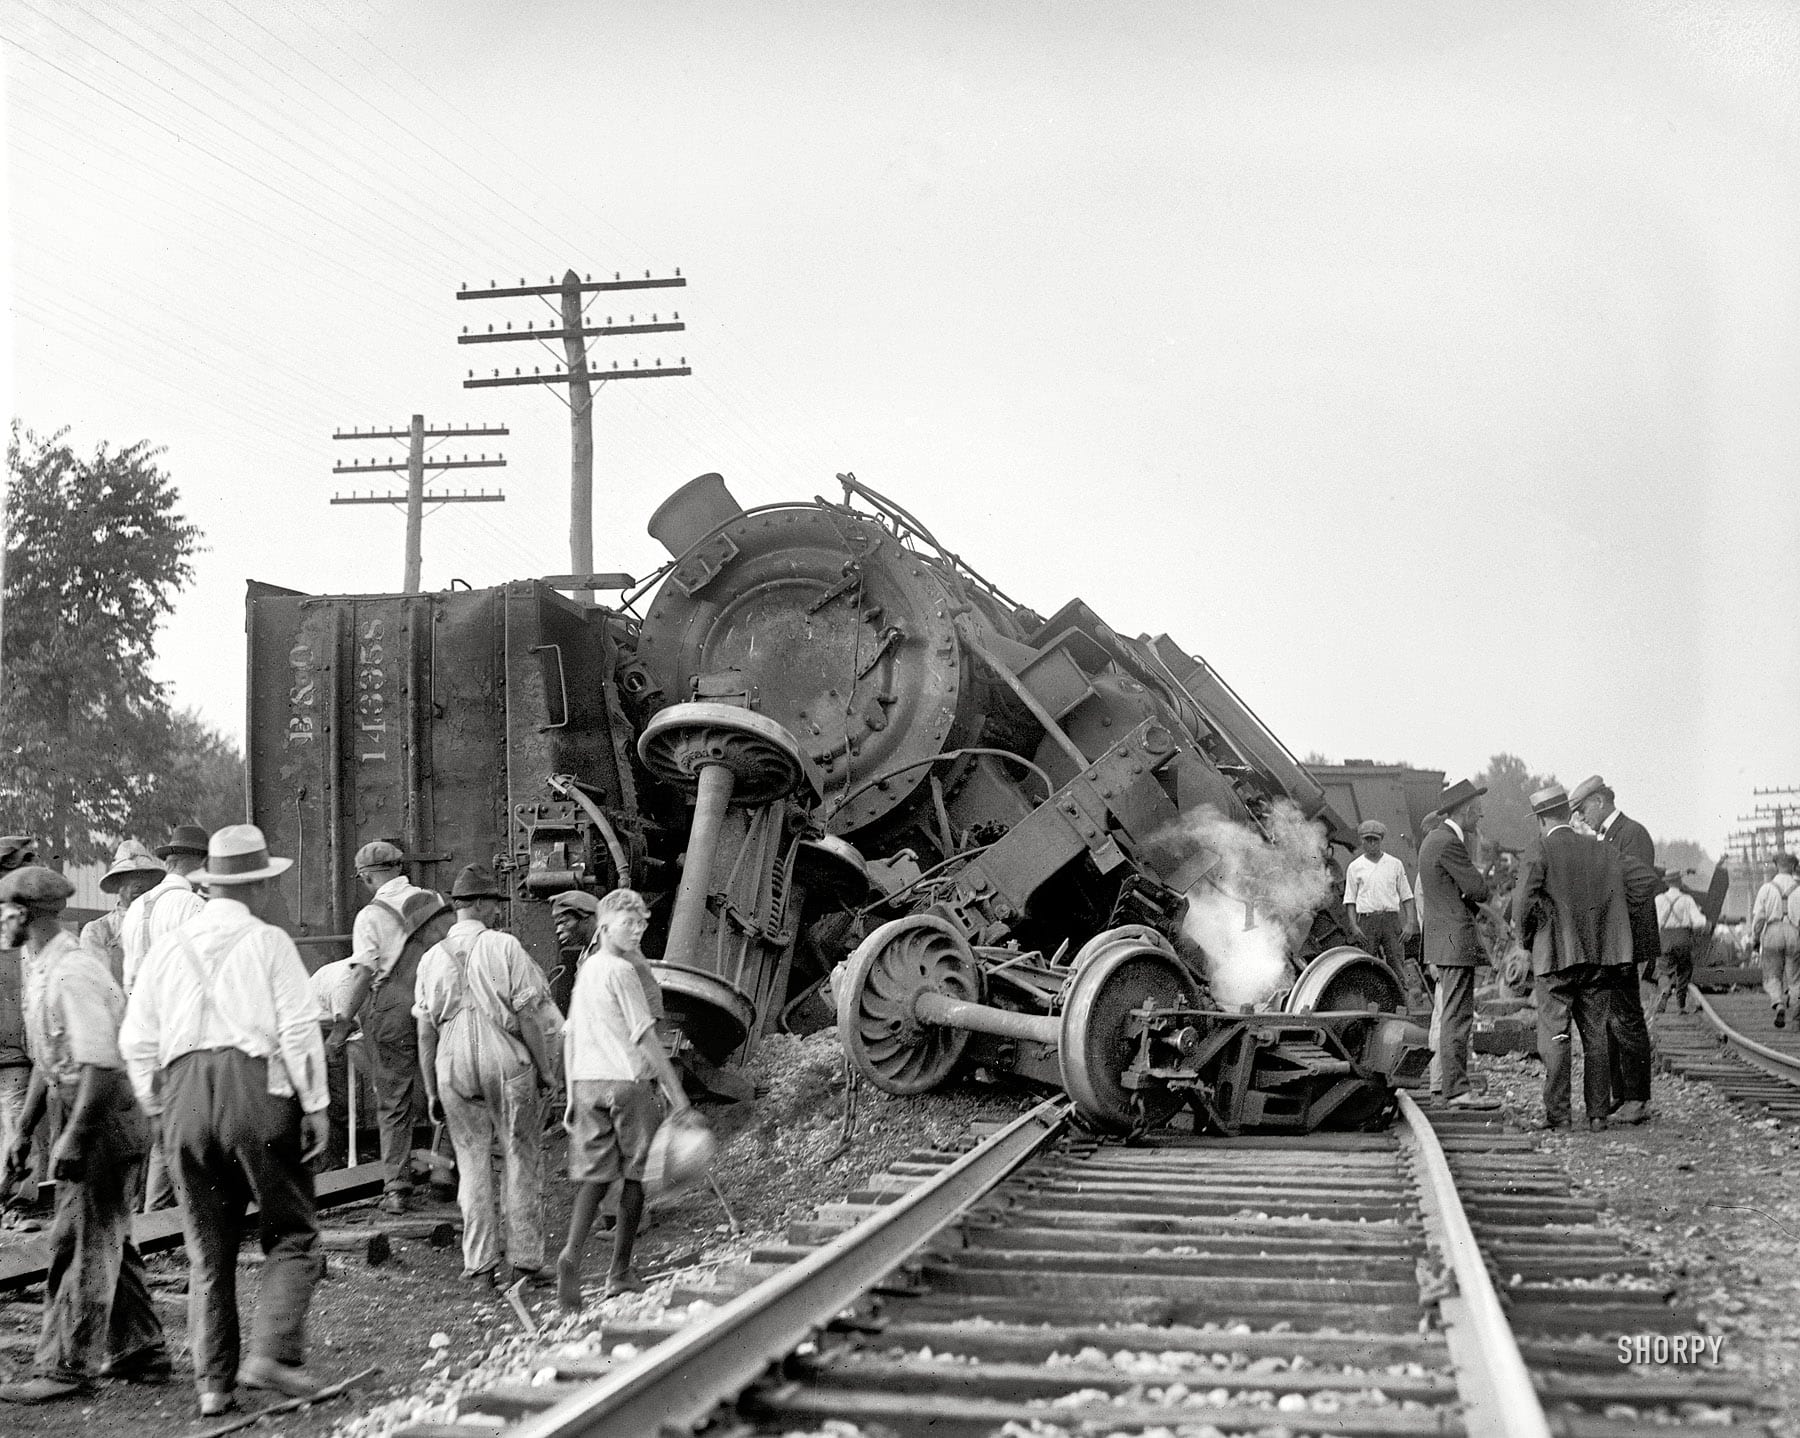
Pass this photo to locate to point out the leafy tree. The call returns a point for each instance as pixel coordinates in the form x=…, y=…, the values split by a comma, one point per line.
x=1694, y=862
x=1508, y=820
x=95, y=553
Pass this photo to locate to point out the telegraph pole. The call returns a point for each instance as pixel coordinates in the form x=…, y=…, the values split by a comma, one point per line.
x=415, y=466
x=574, y=371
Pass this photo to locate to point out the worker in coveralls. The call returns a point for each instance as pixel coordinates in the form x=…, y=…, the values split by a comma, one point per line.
x=489, y=1049
x=98, y=1317
x=382, y=993
x=222, y=1040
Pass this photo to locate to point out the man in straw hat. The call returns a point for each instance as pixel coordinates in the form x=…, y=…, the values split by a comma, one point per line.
x=135, y=870
x=1452, y=890
x=222, y=1039
x=98, y=1317
x=1571, y=913
x=489, y=1042
x=385, y=962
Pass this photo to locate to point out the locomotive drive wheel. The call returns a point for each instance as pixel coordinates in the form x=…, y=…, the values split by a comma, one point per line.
x=1345, y=980
x=883, y=979
x=1117, y=972
x=764, y=759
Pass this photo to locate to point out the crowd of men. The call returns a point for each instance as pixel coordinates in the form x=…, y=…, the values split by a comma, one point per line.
x=1594, y=922
x=178, y=1051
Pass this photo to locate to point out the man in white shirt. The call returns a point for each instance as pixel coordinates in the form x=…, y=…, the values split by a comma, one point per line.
x=221, y=1037
x=98, y=1316
x=382, y=993
x=489, y=1040
x=134, y=871
x=1777, y=939
x=330, y=989
x=1679, y=925
x=167, y=906
x=1379, y=910
x=612, y=1063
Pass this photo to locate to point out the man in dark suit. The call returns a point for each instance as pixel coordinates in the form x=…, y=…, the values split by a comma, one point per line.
x=1571, y=912
x=1450, y=891
x=1592, y=799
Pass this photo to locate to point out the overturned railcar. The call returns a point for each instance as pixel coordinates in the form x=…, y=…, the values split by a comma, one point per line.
x=828, y=736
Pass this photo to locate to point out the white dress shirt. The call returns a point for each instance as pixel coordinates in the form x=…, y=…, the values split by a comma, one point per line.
x=155, y=915
x=1376, y=886
x=225, y=980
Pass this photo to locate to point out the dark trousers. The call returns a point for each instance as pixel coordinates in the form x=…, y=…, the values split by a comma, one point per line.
x=97, y=1310
x=1453, y=1024
x=337, y=1089
x=1381, y=936
x=232, y=1143
x=1579, y=993
x=1628, y=1036
x=1677, y=970
x=393, y=1038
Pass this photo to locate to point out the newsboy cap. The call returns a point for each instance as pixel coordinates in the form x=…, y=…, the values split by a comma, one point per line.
x=1371, y=829
x=419, y=908
x=35, y=887
x=574, y=901
x=1552, y=796
x=476, y=881
x=1586, y=790
x=378, y=854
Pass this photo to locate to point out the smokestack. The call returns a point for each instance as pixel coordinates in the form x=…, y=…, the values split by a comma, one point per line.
x=691, y=513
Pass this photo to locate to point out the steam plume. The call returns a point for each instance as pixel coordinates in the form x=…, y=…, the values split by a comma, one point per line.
x=1280, y=882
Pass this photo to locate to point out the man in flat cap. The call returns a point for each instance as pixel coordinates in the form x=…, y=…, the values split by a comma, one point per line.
x=1378, y=907
x=221, y=1036
x=1571, y=913
x=574, y=914
x=1452, y=891
x=490, y=1040
x=135, y=870
x=98, y=1317
x=381, y=991
x=1592, y=801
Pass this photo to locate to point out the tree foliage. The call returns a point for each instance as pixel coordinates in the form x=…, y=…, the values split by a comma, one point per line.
x=1508, y=820
x=1694, y=862
x=95, y=554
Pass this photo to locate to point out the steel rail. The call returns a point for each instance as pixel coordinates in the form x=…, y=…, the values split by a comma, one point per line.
x=1500, y=1400
x=1775, y=1062
x=674, y=1385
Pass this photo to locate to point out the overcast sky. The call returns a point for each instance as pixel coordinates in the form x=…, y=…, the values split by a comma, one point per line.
x=1432, y=369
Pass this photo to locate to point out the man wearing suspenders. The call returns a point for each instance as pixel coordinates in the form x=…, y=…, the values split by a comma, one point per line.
x=383, y=977
x=490, y=1041
x=221, y=1037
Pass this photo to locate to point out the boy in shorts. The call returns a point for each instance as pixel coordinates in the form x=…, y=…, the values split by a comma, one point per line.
x=613, y=1063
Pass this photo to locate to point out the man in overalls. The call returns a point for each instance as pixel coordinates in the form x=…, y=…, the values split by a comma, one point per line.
x=490, y=1039
x=385, y=947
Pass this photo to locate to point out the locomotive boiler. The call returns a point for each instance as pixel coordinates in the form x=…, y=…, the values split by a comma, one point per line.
x=828, y=735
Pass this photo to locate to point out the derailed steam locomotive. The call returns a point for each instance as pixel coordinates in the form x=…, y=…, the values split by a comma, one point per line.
x=1047, y=848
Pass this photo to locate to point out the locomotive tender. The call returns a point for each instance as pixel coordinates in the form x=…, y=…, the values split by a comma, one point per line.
x=827, y=735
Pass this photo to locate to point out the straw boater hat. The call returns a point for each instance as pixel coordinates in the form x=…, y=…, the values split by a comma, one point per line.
x=184, y=839
x=1553, y=796
x=131, y=858
x=238, y=854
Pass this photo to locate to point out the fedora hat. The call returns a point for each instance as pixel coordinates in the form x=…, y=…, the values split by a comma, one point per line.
x=238, y=854
x=1551, y=796
x=187, y=839
x=476, y=881
x=419, y=908
x=1460, y=792
x=131, y=858
x=1585, y=790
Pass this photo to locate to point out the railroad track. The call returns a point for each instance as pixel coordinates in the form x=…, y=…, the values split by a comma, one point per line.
x=1436, y=1277
x=1733, y=1044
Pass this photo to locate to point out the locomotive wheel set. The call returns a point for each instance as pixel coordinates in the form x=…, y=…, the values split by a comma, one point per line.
x=828, y=735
